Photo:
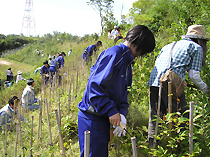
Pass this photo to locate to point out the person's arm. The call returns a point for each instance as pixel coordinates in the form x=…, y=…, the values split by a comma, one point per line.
x=23, y=119
x=195, y=77
x=42, y=71
x=194, y=72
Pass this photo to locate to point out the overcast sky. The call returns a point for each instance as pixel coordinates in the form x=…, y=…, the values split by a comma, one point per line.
x=70, y=16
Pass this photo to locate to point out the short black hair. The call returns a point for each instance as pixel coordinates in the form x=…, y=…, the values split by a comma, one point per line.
x=99, y=43
x=11, y=101
x=62, y=53
x=30, y=81
x=45, y=62
x=142, y=37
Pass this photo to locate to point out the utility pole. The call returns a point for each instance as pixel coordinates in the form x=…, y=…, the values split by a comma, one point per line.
x=28, y=25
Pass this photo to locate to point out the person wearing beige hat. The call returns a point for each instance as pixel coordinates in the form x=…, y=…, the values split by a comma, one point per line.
x=188, y=55
x=19, y=76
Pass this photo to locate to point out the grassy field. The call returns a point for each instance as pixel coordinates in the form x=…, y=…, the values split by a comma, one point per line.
x=15, y=66
x=71, y=92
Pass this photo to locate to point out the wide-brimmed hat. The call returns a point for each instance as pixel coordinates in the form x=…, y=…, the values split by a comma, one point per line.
x=196, y=31
x=19, y=72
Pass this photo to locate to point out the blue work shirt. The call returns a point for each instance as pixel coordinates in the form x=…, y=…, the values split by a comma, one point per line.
x=57, y=63
x=89, y=51
x=44, y=70
x=106, y=90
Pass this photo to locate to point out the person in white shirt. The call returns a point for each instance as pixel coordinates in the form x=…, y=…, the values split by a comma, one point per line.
x=19, y=76
x=109, y=34
x=9, y=75
x=114, y=32
x=28, y=96
x=70, y=52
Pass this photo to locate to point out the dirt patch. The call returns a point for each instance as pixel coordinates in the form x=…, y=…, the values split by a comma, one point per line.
x=5, y=62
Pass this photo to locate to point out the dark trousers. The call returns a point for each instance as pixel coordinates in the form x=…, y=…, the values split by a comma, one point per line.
x=8, y=77
x=153, y=106
x=99, y=136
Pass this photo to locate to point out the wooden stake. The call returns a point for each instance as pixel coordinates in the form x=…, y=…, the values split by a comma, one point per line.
x=62, y=84
x=40, y=120
x=69, y=98
x=27, y=107
x=5, y=131
x=49, y=107
x=118, y=147
x=133, y=141
x=49, y=125
x=19, y=120
x=76, y=84
x=67, y=77
x=16, y=140
x=44, y=101
x=55, y=79
x=191, y=129
x=87, y=144
x=158, y=113
x=170, y=102
x=73, y=88
x=60, y=135
x=32, y=117
x=59, y=108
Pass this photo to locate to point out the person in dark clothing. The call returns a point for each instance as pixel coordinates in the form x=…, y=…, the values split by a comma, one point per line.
x=9, y=75
x=44, y=71
x=105, y=97
x=57, y=64
x=90, y=50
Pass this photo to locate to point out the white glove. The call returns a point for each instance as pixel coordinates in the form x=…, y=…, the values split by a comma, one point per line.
x=47, y=75
x=65, y=74
x=118, y=130
x=195, y=77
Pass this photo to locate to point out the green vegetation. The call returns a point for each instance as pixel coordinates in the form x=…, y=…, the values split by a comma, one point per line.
x=169, y=21
x=12, y=41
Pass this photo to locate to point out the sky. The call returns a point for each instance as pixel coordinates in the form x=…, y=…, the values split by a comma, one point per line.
x=70, y=16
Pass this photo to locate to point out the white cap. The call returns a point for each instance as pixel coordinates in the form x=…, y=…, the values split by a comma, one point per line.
x=19, y=72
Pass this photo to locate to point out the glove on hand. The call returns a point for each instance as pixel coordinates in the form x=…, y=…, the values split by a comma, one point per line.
x=47, y=75
x=65, y=74
x=118, y=130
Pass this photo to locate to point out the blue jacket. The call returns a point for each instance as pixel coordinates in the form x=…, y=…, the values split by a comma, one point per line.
x=106, y=90
x=57, y=63
x=89, y=51
x=44, y=70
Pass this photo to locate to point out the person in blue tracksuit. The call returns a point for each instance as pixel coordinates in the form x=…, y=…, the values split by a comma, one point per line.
x=44, y=71
x=105, y=97
x=88, y=52
x=57, y=64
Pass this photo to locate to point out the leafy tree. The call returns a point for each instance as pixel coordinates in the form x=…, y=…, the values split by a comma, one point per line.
x=104, y=8
x=158, y=13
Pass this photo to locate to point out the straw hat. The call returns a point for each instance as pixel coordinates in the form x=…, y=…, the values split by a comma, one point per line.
x=196, y=31
x=19, y=72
